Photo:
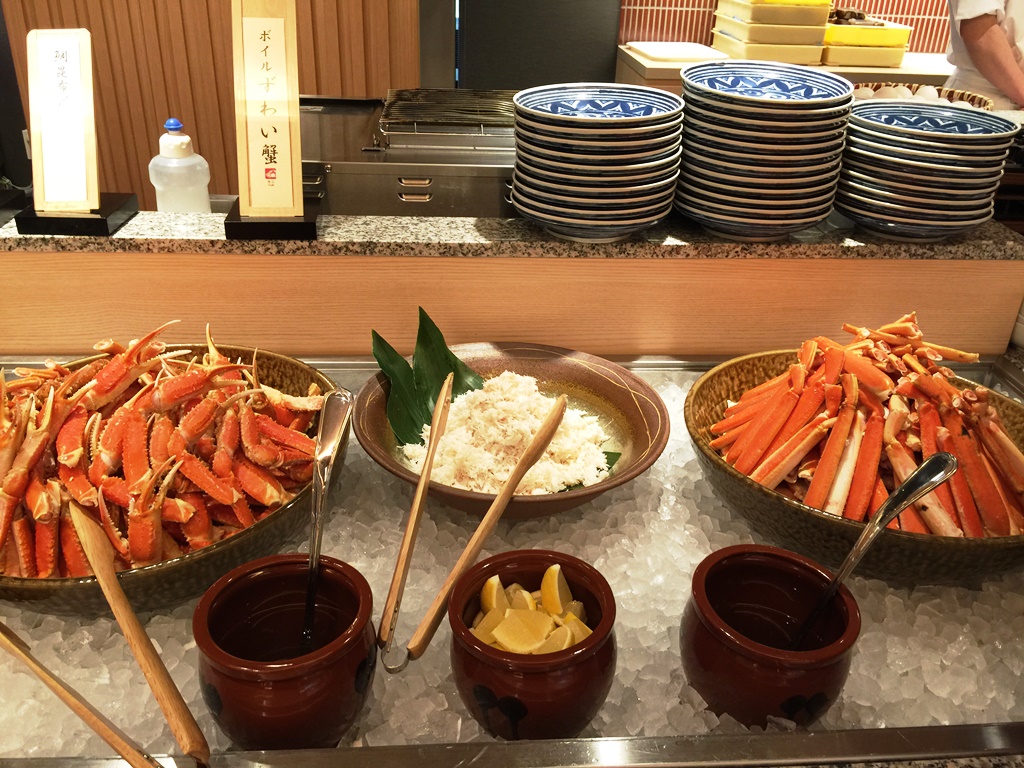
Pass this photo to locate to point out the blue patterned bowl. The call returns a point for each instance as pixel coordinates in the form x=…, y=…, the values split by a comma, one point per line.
x=930, y=168
x=589, y=155
x=601, y=103
x=580, y=203
x=754, y=210
x=732, y=178
x=907, y=210
x=783, y=85
x=904, y=141
x=694, y=188
x=747, y=229
x=598, y=131
x=694, y=133
x=612, y=180
x=577, y=166
x=798, y=172
x=763, y=157
x=800, y=116
x=918, y=120
x=903, y=229
x=591, y=189
x=936, y=180
x=974, y=160
x=745, y=130
x=941, y=193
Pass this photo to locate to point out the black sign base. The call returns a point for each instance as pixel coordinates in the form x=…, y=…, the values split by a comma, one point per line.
x=238, y=227
x=116, y=209
x=11, y=202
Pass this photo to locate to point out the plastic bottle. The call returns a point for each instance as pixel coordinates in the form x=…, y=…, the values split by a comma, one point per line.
x=181, y=176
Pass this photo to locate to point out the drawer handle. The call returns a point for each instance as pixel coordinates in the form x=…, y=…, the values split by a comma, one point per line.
x=414, y=182
x=409, y=197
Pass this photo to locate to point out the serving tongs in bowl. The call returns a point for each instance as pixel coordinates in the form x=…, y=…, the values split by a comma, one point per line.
x=428, y=626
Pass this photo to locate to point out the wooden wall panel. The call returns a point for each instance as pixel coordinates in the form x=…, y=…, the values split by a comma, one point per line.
x=155, y=59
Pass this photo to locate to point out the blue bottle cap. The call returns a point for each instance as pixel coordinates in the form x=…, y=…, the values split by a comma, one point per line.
x=172, y=124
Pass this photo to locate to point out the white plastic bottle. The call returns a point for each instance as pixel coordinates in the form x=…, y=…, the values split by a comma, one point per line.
x=181, y=177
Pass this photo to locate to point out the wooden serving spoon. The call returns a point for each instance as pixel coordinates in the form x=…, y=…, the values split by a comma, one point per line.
x=428, y=626
x=106, y=730
x=100, y=554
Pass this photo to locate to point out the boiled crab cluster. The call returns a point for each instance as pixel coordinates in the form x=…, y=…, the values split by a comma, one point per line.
x=847, y=422
x=169, y=454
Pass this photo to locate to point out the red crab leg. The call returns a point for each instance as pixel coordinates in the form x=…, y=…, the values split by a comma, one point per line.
x=930, y=508
x=865, y=473
x=774, y=469
x=991, y=507
x=930, y=423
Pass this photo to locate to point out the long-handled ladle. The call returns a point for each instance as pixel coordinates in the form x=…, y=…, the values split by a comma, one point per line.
x=100, y=554
x=428, y=626
x=438, y=422
x=933, y=471
x=331, y=442
x=110, y=733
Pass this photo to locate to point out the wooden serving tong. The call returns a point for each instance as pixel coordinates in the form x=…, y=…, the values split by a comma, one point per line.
x=428, y=626
x=107, y=731
x=100, y=554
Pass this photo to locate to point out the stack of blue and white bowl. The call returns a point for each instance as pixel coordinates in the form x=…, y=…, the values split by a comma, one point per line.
x=762, y=146
x=596, y=162
x=920, y=171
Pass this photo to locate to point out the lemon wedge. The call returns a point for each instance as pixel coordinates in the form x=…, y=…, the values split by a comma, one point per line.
x=511, y=589
x=554, y=591
x=558, y=640
x=484, y=631
x=523, y=631
x=580, y=631
x=523, y=600
x=576, y=607
x=493, y=596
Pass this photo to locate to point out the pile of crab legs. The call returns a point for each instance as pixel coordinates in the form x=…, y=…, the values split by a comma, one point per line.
x=169, y=454
x=847, y=422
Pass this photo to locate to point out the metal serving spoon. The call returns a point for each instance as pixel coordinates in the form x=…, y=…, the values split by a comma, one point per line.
x=331, y=442
x=934, y=470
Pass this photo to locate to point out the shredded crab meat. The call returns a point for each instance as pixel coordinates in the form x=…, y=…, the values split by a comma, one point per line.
x=489, y=428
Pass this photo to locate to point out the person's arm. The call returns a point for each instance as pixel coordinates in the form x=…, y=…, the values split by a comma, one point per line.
x=991, y=53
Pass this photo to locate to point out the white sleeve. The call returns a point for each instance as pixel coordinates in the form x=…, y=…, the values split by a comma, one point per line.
x=970, y=9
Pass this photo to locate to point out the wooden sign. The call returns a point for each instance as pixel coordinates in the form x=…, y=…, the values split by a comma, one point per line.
x=63, y=121
x=267, y=108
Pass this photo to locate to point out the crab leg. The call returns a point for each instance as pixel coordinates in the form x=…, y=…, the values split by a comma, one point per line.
x=930, y=423
x=991, y=508
x=929, y=507
x=840, y=490
x=865, y=472
x=774, y=469
x=825, y=473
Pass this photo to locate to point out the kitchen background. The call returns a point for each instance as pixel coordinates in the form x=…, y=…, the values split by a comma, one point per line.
x=691, y=20
x=173, y=58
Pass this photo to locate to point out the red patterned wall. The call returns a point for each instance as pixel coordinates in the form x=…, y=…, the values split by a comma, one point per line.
x=691, y=20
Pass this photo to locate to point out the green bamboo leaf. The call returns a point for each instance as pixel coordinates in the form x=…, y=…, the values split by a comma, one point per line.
x=432, y=361
x=407, y=410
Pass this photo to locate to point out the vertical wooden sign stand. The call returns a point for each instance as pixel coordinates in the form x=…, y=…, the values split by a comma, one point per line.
x=270, y=203
x=66, y=196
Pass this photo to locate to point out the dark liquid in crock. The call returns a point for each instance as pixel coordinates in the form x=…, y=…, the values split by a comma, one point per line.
x=262, y=618
x=766, y=601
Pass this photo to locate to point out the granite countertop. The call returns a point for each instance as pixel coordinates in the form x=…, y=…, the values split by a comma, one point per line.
x=152, y=232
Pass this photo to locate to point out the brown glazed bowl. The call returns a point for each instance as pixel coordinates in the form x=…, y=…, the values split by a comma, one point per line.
x=262, y=690
x=547, y=696
x=896, y=556
x=630, y=409
x=171, y=582
x=746, y=604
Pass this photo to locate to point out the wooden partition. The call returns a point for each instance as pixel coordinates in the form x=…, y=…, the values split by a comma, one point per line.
x=154, y=59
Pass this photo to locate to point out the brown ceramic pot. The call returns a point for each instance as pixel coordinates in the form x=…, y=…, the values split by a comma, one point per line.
x=263, y=691
x=547, y=696
x=747, y=603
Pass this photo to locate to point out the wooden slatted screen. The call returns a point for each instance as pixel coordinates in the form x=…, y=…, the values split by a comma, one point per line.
x=154, y=59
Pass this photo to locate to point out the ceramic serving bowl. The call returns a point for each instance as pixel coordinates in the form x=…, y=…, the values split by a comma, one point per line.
x=785, y=185
x=767, y=84
x=745, y=130
x=708, y=138
x=927, y=121
x=766, y=193
x=612, y=180
x=746, y=605
x=906, y=228
x=597, y=130
x=932, y=143
x=597, y=104
x=797, y=124
x=264, y=689
x=938, y=198
x=895, y=556
x=600, y=146
x=546, y=696
x=617, y=156
x=763, y=158
x=698, y=193
x=753, y=168
x=937, y=179
x=746, y=229
x=627, y=209
x=630, y=409
x=173, y=581
x=579, y=203
x=937, y=156
x=591, y=190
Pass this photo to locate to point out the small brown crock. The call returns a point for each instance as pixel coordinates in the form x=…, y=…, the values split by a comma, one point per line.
x=298, y=701
x=547, y=696
x=746, y=602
